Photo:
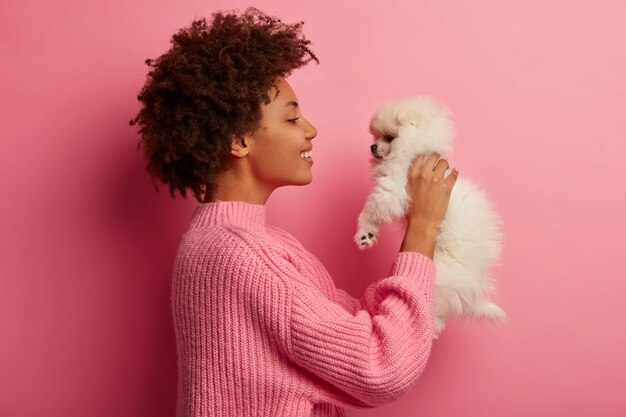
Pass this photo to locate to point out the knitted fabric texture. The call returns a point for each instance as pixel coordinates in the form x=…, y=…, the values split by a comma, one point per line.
x=261, y=329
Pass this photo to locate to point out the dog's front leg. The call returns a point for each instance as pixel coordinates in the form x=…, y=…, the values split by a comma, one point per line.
x=367, y=228
x=383, y=205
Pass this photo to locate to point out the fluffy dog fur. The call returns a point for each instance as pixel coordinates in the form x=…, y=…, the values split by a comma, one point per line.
x=468, y=243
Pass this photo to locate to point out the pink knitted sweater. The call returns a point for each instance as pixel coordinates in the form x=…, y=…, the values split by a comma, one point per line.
x=262, y=330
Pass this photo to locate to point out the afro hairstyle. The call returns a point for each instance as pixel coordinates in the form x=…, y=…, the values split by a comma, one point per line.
x=208, y=87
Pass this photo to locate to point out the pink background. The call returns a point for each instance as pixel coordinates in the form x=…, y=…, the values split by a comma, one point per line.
x=538, y=91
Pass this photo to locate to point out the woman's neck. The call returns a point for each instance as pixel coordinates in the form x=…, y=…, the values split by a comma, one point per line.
x=237, y=185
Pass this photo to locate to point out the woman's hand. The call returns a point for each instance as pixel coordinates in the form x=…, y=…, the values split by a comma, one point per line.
x=429, y=193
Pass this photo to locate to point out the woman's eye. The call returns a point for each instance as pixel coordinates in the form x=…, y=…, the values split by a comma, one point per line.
x=293, y=120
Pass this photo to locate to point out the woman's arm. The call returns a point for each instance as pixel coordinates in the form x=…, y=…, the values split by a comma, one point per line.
x=348, y=302
x=373, y=356
x=420, y=237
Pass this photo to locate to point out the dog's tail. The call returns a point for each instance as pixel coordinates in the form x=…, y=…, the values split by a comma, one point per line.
x=492, y=312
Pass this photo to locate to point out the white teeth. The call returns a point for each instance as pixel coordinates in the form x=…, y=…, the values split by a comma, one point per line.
x=306, y=154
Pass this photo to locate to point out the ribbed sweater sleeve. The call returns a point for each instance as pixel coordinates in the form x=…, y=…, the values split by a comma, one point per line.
x=374, y=356
x=348, y=302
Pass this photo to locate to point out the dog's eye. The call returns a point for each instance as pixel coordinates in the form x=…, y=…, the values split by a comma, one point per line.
x=388, y=138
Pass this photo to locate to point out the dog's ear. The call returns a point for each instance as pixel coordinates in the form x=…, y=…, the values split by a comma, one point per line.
x=404, y=117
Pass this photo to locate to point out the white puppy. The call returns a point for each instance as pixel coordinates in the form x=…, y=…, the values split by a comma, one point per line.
x=468, y=243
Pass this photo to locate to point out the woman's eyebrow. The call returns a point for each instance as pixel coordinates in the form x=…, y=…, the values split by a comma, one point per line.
x=292, y=103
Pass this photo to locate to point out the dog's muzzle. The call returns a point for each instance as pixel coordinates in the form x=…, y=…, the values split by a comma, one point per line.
x=374, y=148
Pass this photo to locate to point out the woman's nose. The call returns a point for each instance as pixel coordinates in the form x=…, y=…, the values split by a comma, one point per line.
x=311, y=132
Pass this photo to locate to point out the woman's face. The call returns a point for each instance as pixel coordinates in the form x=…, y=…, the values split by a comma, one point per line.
x=274, y=155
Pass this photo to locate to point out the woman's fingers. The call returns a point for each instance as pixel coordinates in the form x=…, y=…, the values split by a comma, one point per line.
x=453, y=176
x=441, y=167
x=432, y=161
x=418, y=163
x=415, y=165
x=433, y=164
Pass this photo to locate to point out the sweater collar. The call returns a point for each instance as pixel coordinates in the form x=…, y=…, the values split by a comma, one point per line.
x=236, y=213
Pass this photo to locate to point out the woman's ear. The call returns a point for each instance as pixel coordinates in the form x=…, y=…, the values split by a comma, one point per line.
x=238, y=147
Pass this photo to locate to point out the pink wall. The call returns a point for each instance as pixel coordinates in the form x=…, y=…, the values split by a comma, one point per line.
x=537, y=89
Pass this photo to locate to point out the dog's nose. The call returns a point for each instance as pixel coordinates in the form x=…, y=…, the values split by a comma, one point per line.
x=373, y=147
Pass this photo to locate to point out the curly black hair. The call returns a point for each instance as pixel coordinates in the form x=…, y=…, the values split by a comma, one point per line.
x=209, y=86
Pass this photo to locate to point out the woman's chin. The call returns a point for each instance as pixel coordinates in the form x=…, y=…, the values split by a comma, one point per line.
x=306, y=180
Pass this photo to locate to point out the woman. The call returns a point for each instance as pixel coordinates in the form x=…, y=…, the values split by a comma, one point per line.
x=261, y=328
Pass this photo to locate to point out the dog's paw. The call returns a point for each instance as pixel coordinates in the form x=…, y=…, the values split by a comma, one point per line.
x=365, y=239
